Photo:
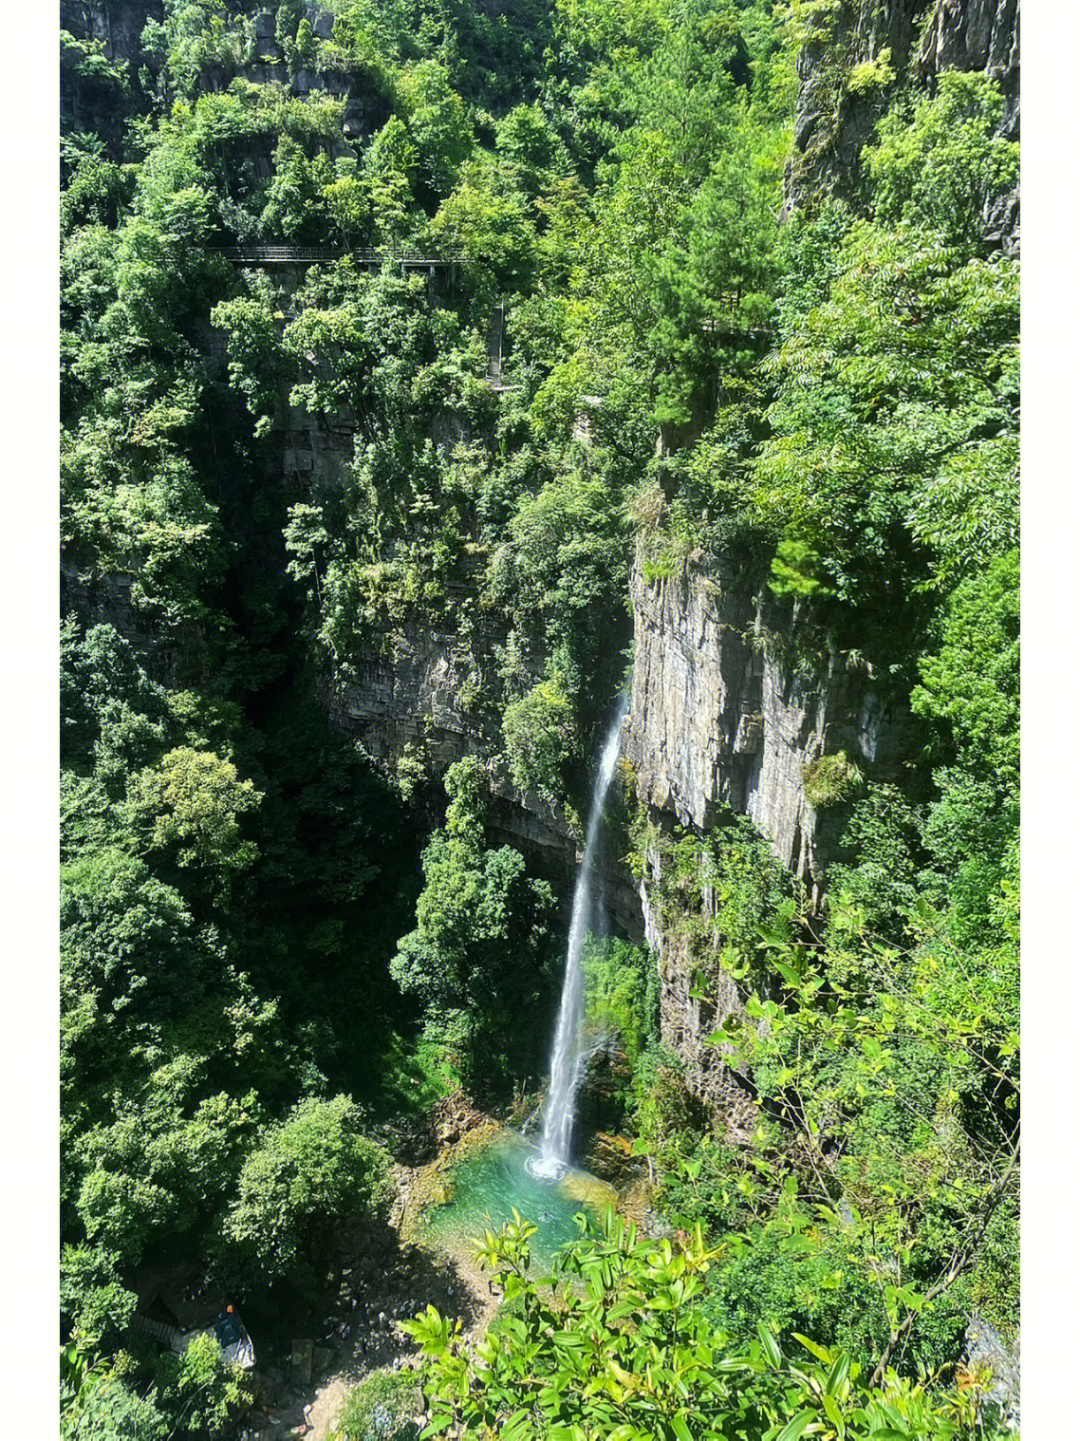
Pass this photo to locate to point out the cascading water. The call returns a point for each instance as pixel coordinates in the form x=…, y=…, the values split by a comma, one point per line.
x=565, y=1054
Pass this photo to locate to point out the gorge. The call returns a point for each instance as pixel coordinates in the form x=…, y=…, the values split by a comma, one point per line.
x=639, y=665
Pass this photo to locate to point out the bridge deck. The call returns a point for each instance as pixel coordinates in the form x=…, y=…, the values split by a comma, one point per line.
x=316, y=254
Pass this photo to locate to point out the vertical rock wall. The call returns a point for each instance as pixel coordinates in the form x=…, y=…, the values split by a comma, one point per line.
x=90, y=104
x=414, y=697
x=982, y=35
x=923, y=37
x=730, y=705
x=691, y=1012
x=728, y=711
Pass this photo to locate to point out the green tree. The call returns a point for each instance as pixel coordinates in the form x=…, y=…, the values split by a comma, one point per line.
x=258, y=363
x=943, y=163
x=901, y=456
x=477, y=959
x=294, y=204
x=303, y=1176
x=539, y=734
x=201, y=1389
x=347, y=200
x=386, y=172
x=971, y=689
x=437, y=122
x=189, y=808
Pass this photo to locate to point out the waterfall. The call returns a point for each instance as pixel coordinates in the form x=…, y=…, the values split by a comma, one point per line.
x=565, y=1053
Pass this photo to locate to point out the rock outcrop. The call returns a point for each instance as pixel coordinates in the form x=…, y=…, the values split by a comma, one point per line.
x=977, y=35
x=690, y=1012
x=835, y=118
x=833, y=121
x=728, y=710
x=988, y=1352
x=736, y=695
x=413, y=703
x=118, y=24
x=982, y=35
x=413, y=694
x=94, y=99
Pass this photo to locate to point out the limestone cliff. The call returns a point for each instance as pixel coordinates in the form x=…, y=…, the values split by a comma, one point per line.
x=836, y=118
x=736, y=695
x=99, y=98
x=413, y=701
x=696, y=996
x=729, y=709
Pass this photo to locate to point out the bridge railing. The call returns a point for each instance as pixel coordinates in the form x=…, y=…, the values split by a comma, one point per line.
x=315, y=254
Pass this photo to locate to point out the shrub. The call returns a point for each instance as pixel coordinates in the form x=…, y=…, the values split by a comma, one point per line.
x=831, y=780
x=307, y=1171
x=663, y=1102
x=91, y=1294
x=202, y=1388
x=620, y=996
x=626, y=1350
x=539, y=734
x=383, y=1408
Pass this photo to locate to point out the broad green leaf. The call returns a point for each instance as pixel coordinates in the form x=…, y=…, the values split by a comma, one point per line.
x=770, y=1345
x=838, y=1375
x=823, y=1355
x=832, y=1410
x=796, y=1427
x=438, y=1424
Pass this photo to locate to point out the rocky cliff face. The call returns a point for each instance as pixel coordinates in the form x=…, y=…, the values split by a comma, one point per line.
x=413, y=702
x=412, y=695
x=118, y=24
x=93, y=101
x=731, y=708
x=923, y=37
x=731, y=705
x=982, y=35
x=728, y=711
x=832, y=122
x=696, y=997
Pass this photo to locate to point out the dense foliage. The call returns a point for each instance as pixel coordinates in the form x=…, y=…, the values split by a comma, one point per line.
x=617, y=1344
x=478, y=955
x=273, y=479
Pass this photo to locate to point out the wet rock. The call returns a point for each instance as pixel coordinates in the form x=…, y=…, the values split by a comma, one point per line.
x=612, y=1158
x=301, y=1362
x=992, y=1360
